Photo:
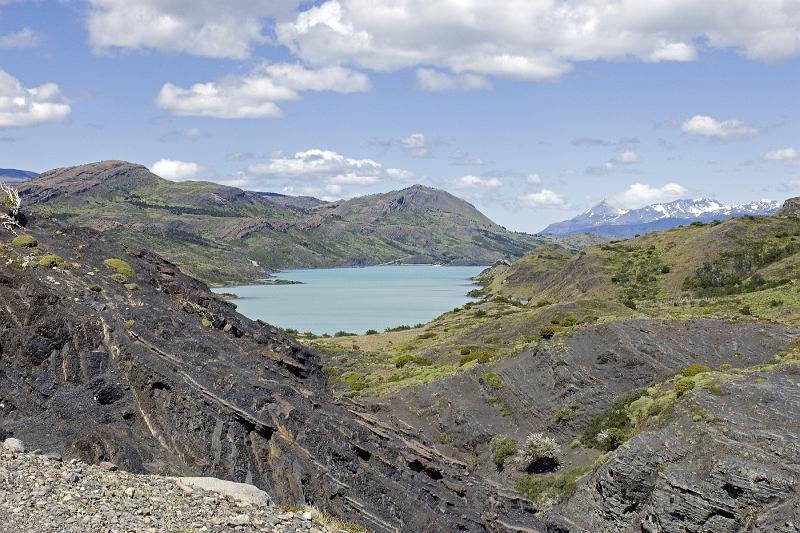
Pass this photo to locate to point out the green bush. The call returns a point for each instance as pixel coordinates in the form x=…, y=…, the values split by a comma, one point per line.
x=52, y=261
x=372, y=332
x=630, y=304
x=465, y=351
x=547, y=332
x=494, y=381
x=502, y=448
x=426, y=335
x=683, y=385
x=25, y=241
x=549, y=489
x=206, y=323
x=344, y=334
x=612, y=438
x=480, y=357
x=745, y=310
x=569, y=321
x=398, y=328
x=119, y=278
x=95, y=288
x=539, y=453
x=131, y=286
x=480, y=313
x=120, y=266
x=564, y=415
x=694, y=369
x=403, y=360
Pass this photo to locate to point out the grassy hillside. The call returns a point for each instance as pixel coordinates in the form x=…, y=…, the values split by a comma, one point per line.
x=740, y=269
x=223, y=234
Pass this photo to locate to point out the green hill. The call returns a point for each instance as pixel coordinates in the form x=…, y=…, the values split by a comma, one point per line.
x=224, y=234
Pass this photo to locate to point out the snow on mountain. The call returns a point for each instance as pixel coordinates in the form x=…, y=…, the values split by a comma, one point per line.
x=606, y=219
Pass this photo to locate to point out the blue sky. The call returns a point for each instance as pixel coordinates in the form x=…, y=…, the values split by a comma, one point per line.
x=533, y=111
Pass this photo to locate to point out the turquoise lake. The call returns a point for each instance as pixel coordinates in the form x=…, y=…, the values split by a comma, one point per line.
x=357, y=299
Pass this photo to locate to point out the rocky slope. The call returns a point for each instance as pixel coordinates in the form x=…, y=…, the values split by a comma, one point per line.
x=132, y=362
x=41, y=493
x=223, y=234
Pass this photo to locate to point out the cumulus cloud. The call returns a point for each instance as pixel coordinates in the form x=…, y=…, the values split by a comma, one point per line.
x=414, y=145
x=434, y=80
x=206, y=28
x=24, y=38
x=25, y=107
x=618, y=164
x=173, y=169
x=723, y=130
x=325, y=163
x=476, y=182
x=790, y=156
x=642, y=194
x=257, y=94
x=543, y=198
x=532, y=40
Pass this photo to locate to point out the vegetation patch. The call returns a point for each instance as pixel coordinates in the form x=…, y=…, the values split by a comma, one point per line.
x=502, y=448
x=547, y=490
x=494, y=381
x=52, y=261
x=25, y=241
x=121, y=267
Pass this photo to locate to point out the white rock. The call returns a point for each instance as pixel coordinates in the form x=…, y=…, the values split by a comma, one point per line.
x=13, y=445
x=241, y=492
x=307, y=515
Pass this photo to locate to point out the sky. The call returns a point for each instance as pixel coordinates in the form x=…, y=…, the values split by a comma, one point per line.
x=532, y=110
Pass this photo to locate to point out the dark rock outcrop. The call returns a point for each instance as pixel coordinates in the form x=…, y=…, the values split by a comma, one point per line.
x=791, y=208
x=162, y=376
x=734, y=470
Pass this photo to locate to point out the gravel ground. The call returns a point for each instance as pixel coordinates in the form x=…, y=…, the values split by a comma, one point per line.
x=43, y=494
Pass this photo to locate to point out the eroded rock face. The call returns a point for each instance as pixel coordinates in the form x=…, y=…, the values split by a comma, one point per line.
x=733, y=470
x=164, y=377
x=791, y=208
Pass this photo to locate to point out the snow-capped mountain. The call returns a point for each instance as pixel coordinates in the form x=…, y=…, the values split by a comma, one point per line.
x=605, y=219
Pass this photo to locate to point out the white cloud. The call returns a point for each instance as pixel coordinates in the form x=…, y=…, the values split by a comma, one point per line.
x=617, y=164
x=186, y=133
x=434, y=80
x=415, y=145
x=534, y=179
x=475, y=182
x=543, y=198
x=206, y=28
x=326, y=163
x=642, y=194
x=724, y=130
x=25, y=107
x=24, y=38
x=532, y=39
x=257, y=94
x=790, y=156
x=175, y=170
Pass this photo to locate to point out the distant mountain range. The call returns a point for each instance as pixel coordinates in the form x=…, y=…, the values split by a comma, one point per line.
x=224, y=234
x=605, y=219
x=13, y=175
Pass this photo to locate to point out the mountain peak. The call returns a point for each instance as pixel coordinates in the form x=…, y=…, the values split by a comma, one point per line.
x=606, y=219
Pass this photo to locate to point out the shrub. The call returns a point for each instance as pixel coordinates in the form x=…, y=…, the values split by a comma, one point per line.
x=52, y=261
x=120, y=266
x=694, y=369
x=494, y=381
x=480, y=357
x=610, y=439
x=403, y=360
x=538, y=453
x=630, y=304
x=25, y=241
x=683, y=385
x=129, y=324
x=665, y=269
x=131, y=286
x=569, y=321
x=564, y=415
x=95, y=288
x=344, y=334
x=480, y=313
x=502, y=448
x=465, y=351
x=426, y=335
x=206, y=323
x=398, y=328
x=547, y=332
x=745, y=310
x=548, y=489
x=372, y=332
x=697, y=223
x=119, y=278
x=725, y=366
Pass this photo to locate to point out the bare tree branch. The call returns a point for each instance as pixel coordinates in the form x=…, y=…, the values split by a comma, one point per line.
x=9, y=220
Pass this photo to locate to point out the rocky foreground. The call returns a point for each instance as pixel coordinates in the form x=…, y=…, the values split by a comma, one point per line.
x=41, y=493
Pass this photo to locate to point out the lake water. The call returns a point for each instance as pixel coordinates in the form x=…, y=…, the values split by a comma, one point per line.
x=357, y=299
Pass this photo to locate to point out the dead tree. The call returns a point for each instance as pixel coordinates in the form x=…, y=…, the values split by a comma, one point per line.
x=11, y=218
